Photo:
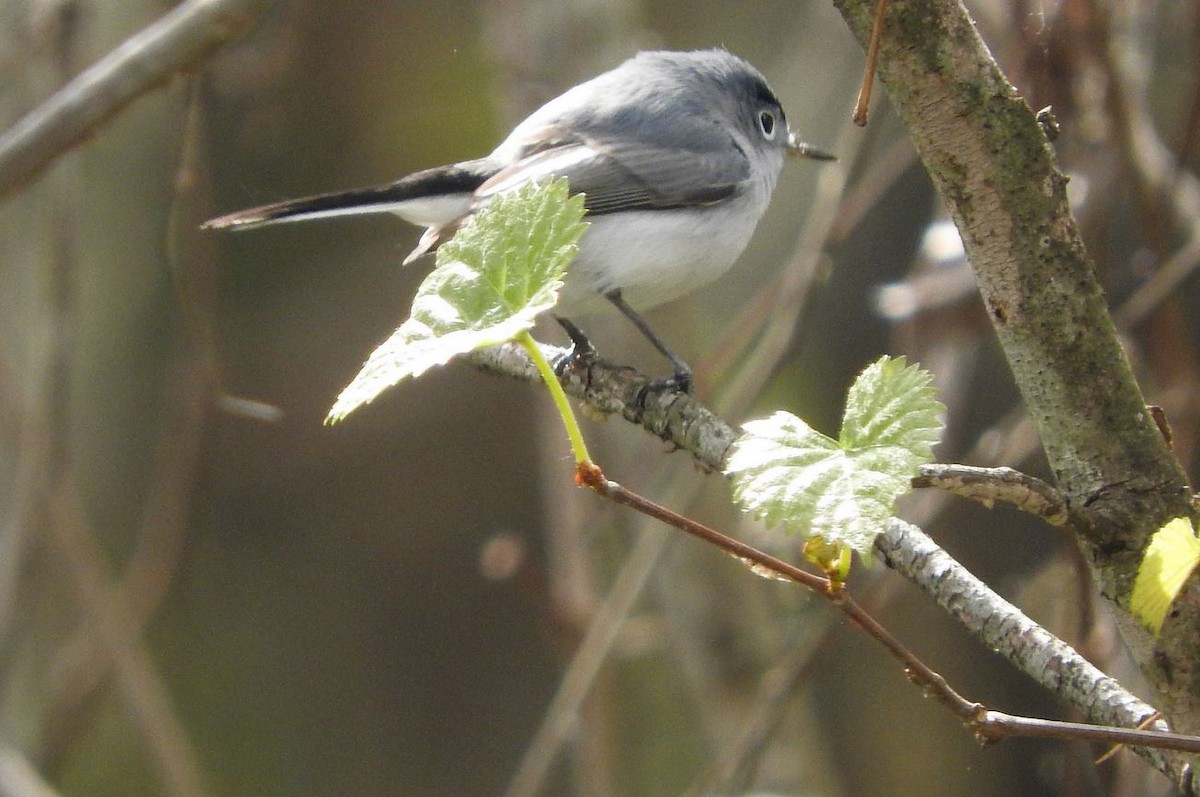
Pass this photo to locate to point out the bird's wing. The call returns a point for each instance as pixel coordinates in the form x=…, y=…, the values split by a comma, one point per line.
x=630, y=175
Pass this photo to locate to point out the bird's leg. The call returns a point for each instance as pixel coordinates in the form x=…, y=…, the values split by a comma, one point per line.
x=581, y=351
x=681, y=380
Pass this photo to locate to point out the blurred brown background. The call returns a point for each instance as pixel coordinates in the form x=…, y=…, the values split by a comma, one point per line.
x=387, y=607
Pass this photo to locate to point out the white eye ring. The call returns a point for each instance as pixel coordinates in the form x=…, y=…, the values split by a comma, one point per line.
x=766, y=123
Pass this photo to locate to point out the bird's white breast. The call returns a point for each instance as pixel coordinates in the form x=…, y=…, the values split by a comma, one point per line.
x=654, y=256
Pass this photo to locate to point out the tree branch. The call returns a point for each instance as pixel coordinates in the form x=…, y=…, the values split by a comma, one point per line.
x=989, y=485
x=142, y=63
x=1003, y=627
x=677, y=418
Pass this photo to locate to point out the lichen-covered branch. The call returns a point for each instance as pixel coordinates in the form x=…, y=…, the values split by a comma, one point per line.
x=1003, y=627
x=612, y=389
x=990, y=485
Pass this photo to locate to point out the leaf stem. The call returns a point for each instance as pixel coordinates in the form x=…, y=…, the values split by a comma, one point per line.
x=578, y=446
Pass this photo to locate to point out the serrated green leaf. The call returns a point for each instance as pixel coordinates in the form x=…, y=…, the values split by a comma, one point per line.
x=842, y=490
x=893, y=404
x=503, y=268
x=1169, y=559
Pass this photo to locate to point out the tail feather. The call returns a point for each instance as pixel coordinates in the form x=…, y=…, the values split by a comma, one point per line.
x=426, y=197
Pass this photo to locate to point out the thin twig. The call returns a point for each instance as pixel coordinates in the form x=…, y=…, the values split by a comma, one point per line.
x=143, y=62
x=996, y=725
x=1116, y=748
x=985, y=724
x=763, y=564
x=868, y=81
x=989, y=485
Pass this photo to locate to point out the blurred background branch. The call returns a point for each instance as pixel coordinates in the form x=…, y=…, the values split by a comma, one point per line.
x=179, y=41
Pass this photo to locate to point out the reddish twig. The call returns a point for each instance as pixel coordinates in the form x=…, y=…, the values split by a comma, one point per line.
x=984, y=724
x=868, y=81
x=589, y=475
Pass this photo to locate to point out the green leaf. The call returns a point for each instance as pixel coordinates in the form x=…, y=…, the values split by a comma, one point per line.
x=842, y=490
x=503, y=267
x=893, y=404
x=1170, y=558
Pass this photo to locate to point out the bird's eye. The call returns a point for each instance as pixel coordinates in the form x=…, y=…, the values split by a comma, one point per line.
x=766, y=123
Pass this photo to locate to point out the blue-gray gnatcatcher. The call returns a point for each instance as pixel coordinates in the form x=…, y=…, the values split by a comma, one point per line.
x=677, y=155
